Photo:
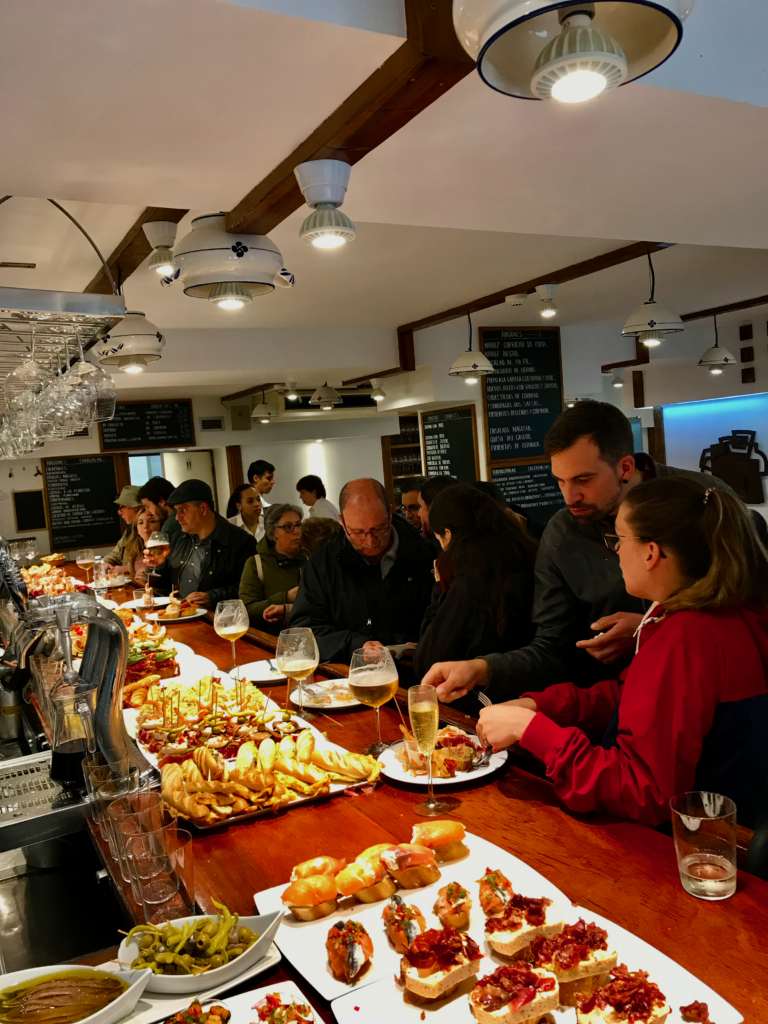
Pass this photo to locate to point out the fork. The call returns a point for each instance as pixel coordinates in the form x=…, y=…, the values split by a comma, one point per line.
x=485, y=758
x=484, y=700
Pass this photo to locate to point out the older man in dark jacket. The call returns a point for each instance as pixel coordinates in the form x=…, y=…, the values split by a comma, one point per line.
x=371, y=584
x=207, y=556
x=578, y=589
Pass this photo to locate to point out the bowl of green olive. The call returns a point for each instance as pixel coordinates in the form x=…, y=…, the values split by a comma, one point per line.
x=194, y=954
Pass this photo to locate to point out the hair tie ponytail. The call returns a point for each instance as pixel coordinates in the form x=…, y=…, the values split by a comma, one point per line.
x=707, y=493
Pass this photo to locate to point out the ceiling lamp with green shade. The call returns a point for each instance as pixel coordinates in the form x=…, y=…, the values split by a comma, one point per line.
x=569, y=52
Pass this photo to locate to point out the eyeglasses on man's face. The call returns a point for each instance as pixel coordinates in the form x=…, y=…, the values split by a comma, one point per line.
x=375, y=533
x=409, y=508
x=288, y=527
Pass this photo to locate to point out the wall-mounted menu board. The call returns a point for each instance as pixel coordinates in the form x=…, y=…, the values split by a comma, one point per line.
x=524, y=396
x=80, y=495
x=530, y=487
x=139, y=425
x=450, y=443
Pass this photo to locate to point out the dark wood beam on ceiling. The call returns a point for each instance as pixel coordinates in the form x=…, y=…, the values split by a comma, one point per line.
x=428, y=64
x=132, y=250
x=603, y=262
x=248, y=392
x=406, y=354
x=642, y=356
x=730, y=307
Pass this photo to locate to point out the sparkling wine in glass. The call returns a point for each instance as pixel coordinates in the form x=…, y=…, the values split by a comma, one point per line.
x=231, y=622
x=423, y=711
x=85, y=559
x=297, y=658
x=373, y=680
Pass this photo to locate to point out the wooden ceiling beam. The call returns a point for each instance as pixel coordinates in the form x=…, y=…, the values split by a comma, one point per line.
x=427, y=65
x=730, y=307
x=132, y=250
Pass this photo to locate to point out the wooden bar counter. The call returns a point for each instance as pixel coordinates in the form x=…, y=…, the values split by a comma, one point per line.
x=621, y=870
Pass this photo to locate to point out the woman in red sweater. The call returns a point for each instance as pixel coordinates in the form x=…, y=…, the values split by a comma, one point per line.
x=691, y=710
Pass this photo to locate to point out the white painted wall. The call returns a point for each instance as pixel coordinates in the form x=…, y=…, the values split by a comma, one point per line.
x=335, y=461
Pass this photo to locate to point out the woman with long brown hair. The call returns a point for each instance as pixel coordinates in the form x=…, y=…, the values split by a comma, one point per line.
x=691, y=710
x=482, y=603
x=133, y=555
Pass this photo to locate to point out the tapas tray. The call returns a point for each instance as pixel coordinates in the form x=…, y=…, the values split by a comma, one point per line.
x=377, y=997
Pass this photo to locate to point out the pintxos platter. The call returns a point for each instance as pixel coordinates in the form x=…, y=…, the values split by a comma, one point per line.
x=157, y=602
x=190, y=616
x=331, y=695
x=457, y=758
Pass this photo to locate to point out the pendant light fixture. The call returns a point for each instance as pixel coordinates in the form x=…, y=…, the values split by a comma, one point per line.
x=717, y=358
x=161, y=235
x=262, y=412
x=571, y=52
x=326, y=397
x=324, y=184
x=651, y=321
x=290, y=391
x=618, y=378
x=131, y=344
x=470, y=366
x=378, y=394
x=546, y=294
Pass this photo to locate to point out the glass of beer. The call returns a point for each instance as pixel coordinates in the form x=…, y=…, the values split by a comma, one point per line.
x=231, y=622
x=85, y=559
x=373, y=680
x=423, y=711
x=159, y=544
x=297, y=657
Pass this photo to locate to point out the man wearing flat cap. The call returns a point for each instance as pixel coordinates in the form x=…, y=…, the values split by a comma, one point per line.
x=208, y=555
x=128, y=507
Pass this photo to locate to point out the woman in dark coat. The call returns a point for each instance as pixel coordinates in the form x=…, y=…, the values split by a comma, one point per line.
x=482, y=599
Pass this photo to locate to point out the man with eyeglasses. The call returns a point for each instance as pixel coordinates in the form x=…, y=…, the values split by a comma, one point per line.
x=370, y=585
x=409, y=502
x=578, y=587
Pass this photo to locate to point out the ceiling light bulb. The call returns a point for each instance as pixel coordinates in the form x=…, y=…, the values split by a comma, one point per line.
x=548, y=309
x=290, y=393
x=326, y=406
x=618, y=382
x=650, y=338
x=327, y=228
x=318, y=440
x=132, y=364
x=546, y=294
x=265, y=419
x=161, y=261
x=378, y=395
x=715, y=370
x=579, y=86
x=230, y=295
x=470, y=377
x=328, y=241
x=581, y=62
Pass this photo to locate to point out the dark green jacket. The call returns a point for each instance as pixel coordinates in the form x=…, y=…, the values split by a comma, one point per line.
x=230, y=548
x=280, y=574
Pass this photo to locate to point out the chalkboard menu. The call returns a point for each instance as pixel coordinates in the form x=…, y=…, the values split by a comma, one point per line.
x=149, y=425
x=532, y=488
x=524, y=396
x=450, y=443
x=80, y=494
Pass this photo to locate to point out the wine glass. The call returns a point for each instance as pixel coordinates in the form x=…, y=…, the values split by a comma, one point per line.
x=85, y=559
x=424, y=715
x=31, y=549
x=17, y=550
x=231, y=622
x=373, y=679
x=297, y=657
x=160, y=544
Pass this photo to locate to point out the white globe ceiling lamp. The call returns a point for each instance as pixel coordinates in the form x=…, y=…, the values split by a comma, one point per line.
x=131, y=344
x=161, y=235
x=326, y=397
x=470, y=366
x=717, y=358
x=546, y=294
x=542, y=49
x=653, y=319
x=228, y=270
x=324, y=184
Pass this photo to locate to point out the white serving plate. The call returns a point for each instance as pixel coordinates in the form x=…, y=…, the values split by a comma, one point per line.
x=117, y=581
x=116, y=1010
x=394, y=770
x=158, y=602
x=303, y=942
x=331, y=690
x=259, y=672
x=198, y=613
x=265, y=927
x=106, y=603
x=154, y=1007
x=383, y=1000
x=242, y=1006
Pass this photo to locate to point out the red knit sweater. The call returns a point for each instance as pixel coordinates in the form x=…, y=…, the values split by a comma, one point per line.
x=687, y=664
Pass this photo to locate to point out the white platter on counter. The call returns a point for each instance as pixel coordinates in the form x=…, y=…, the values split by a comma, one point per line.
x=398, y=773
x=259, y=672
x=331, y=691
x=155, y=1007
x=157, y=602
x=264, y=926
x=242, y=1006
x=197, y=614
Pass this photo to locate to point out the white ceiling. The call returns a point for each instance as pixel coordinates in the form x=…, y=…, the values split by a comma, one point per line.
x=116, y=106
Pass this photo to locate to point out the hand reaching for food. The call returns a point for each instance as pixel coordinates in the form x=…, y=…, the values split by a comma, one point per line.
x=199, y=598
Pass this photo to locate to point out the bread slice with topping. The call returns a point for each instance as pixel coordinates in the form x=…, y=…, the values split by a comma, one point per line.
x=524, y=918
x=578, y=956
x=627, y=998
x=514, y=994
x=436, y=963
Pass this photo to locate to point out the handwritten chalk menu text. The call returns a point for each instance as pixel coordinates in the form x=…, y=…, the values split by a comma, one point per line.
x=532, y=488
x=149, y=425
x=524, y=396
x=450, y=445
x=81, y=493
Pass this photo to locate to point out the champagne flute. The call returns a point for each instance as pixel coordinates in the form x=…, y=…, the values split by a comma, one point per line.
x=373, y=679
x=424, y=714
x=297, y=657
x=231, y=622
x=85, y=559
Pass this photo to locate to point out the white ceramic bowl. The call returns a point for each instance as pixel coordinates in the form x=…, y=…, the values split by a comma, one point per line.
x=265, y=927
x=119, y=1008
